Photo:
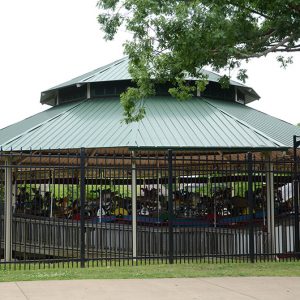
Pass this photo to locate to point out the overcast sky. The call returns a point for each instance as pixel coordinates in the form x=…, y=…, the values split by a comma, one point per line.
x=47, y=42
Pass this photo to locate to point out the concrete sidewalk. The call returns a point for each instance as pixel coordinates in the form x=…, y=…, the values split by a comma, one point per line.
x=158, y=289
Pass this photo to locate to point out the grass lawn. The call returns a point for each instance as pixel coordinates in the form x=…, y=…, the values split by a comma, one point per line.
x=154, y=271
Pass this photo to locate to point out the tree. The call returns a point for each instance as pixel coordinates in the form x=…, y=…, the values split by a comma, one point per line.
x=172, y=38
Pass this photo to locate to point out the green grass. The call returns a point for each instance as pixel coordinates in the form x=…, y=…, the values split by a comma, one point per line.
x=183, y=270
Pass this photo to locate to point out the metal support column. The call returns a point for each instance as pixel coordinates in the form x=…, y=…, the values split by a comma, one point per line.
x=52, y=191
x=82, y=207
x=170, y=206
x=134, y=220
x=269, y=168
x=251, y=206
x=14, y=189
x=296, y=144
x=8, y=211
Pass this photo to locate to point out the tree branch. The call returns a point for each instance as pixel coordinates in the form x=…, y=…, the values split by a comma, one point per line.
x=230, y=2
x=269, y=50
x=294, y=7
x=287, y=50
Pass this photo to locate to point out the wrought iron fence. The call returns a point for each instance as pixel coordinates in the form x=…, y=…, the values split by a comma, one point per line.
x=117, y=207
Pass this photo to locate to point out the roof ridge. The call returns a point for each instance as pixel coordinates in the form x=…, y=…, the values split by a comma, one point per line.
x=101, y=69
x=88, y=74
x=10, y=125
x=246, y=124
x=252, y=108
x=42, y=123
x=232, y=81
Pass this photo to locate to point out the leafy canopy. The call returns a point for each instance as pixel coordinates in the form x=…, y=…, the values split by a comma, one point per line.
x=172, y=38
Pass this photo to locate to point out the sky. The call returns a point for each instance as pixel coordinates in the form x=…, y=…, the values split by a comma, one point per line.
x=47, y=42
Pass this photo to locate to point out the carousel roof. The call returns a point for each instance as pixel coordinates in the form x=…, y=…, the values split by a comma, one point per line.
x=118, y=71
x=198, y=123
x=96, y=120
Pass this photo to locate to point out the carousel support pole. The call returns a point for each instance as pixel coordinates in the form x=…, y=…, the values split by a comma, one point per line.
x=52, y=192
x=296, y=144
x=14, y=189
x=251, y=207
x=82, y=207
x=158, y=194
x=170, y=206
x=269, y=168
x=100, y=199
x=134, y=219
x=8, y=211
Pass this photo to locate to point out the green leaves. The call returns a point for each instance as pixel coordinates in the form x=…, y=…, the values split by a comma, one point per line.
x=224, y=82
x=174, y=37
x=202, y=82
x=110, y=25
x=284, y=62
x=130, y=101
x=242, y=75
x=183, y=91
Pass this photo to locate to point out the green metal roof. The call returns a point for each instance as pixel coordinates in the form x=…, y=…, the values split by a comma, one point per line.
x=169, y=123
x=15, y=129
x=118, y=71
x=278, y=129
x=115, y=71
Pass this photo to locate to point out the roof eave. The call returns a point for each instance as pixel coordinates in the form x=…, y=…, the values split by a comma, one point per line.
x=211, y=149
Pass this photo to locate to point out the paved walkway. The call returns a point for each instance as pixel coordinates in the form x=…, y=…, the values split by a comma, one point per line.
x=158, y=289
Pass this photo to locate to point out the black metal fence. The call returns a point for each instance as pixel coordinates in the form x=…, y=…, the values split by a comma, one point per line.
x=90, y=208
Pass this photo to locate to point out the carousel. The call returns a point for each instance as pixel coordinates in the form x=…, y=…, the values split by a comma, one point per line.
x=209, y=177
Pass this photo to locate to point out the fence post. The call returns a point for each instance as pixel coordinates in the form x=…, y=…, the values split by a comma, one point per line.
x=251, y=206
x=170, y=206
x=8, y=211
x=52, y=192
x=134, y=218
x=296, y=194
x=82, y=207
x=269, y=169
